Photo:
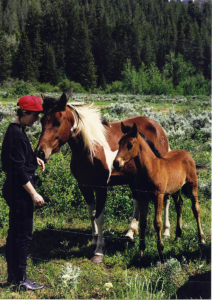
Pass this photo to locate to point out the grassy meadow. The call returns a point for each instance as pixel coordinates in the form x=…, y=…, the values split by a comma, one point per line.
x=60, y=252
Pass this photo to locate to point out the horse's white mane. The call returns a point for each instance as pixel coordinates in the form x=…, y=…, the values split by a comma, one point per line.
x=88, y=123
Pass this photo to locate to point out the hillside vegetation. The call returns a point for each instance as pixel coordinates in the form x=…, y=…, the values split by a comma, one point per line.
x=118, y=46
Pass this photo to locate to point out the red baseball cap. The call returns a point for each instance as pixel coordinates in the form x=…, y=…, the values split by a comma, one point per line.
x=31, y=103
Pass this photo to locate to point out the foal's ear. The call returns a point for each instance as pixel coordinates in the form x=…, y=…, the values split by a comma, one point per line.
x=42, y=96
x=62, y=102
x=134, y=130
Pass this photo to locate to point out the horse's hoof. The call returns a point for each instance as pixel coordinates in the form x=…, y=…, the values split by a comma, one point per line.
x=97, y=259
x=166, y=236
x=127, y=238
x=202, y=244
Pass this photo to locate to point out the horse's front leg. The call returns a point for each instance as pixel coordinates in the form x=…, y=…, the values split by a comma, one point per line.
x=158, y=202
x=133, y=229
x=101, y=195
x=88, y=194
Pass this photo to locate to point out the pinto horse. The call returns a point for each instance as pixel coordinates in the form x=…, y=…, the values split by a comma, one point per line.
x=94, y=145
x=156, y=178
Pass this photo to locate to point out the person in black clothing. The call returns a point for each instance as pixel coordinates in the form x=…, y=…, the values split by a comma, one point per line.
x=20, y=162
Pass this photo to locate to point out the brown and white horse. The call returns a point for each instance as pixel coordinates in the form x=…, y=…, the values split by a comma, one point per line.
x=94, y=145
x=156, y=178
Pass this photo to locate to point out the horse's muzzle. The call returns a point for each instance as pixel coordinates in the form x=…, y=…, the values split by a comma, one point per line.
x=41, y=155
x=116, y=165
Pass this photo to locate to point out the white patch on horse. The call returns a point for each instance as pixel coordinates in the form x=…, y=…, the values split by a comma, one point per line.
x=110, y=156
x=92, y=213
x=134, y=223
x=166, y=223
x=100, y=240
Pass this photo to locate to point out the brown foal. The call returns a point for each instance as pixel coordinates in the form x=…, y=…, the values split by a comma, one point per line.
x=157, y=178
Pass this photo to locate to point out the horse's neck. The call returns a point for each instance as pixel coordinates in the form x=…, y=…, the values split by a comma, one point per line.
x=76, y=144
x=145, y=159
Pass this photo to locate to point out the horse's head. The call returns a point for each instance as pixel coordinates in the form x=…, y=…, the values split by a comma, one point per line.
x=56, y=126
x=128, y=146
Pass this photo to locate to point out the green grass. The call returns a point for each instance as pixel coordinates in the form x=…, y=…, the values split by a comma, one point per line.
x=122, y=264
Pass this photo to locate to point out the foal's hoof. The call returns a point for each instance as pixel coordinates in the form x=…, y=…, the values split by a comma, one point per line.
x=97, y=259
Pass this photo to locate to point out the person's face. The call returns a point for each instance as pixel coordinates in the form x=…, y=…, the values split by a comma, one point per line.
x=29, y=120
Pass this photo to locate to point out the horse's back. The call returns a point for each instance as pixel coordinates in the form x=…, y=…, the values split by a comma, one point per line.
x=152, y=131
x=180, y=162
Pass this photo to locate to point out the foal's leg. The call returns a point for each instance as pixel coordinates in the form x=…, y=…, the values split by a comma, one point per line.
x=101, y=195
x=133, y=229
x=196, y=212
x=143, y=209
x=158, y=202
x=88, y=194
x=179, y=209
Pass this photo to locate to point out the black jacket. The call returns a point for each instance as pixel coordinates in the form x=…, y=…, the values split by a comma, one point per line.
x=17, y=156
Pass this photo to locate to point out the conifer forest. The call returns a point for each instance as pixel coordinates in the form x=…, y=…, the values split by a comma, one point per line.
x=102, y=42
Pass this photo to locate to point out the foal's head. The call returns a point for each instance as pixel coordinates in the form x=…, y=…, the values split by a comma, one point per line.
x=56, y=124
x=128, y=146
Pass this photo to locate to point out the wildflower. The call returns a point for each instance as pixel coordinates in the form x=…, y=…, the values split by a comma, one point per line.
x=66, y=277
x=108, y=285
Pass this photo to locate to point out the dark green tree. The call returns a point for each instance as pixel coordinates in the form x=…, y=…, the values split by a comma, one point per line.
x=33, y=28
x=49, y=69
x=5, y=57
x=23, y=64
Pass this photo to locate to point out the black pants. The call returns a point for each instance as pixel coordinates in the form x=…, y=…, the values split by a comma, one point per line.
x=20, y=228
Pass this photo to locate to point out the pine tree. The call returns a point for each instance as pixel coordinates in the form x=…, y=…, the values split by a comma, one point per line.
x=23, y=66
x=33, y=28
x=49, y=70
x=5, y=58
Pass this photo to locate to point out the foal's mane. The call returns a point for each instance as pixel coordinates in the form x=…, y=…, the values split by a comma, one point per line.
x=89, y=122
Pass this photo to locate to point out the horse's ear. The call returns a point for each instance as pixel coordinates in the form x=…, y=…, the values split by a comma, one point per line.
x=134, y=130
x=62, y=102
x=42, y=96
x=125, y=129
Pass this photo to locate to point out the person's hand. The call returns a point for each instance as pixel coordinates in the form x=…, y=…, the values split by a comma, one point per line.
x=41, y=163
x=37, y=199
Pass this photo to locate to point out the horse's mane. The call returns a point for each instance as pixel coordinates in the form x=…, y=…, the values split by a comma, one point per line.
x=128, y=129
x=90, y=124
x=151, y=145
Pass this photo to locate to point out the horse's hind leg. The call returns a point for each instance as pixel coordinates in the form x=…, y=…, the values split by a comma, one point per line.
x=196, y=212
x=88, y=194
x=179, y=209
x=166, y=224
x=133, y=229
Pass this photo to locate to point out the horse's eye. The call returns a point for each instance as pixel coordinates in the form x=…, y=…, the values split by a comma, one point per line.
x=129, y=146
x=56, y=123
